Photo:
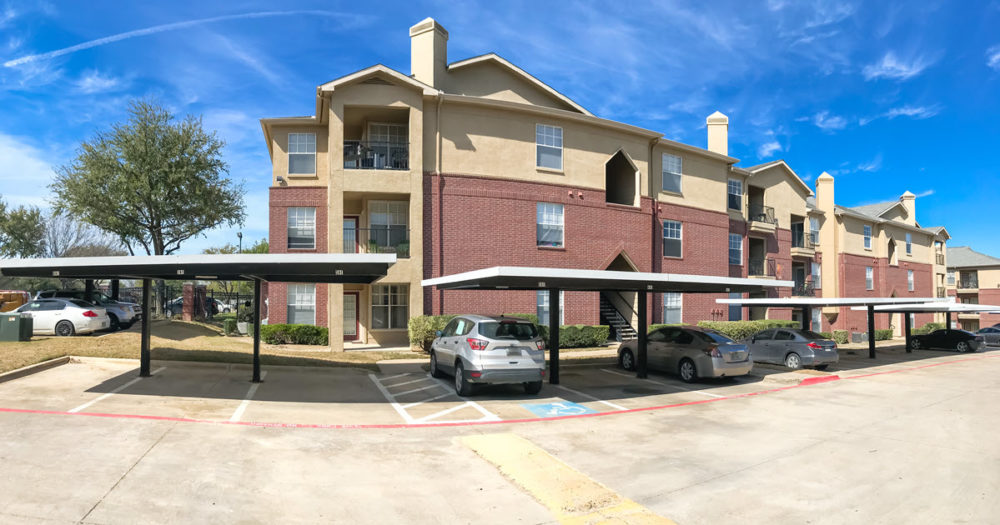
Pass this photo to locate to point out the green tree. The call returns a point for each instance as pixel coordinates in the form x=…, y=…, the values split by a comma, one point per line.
x=22, y=232
x=152, y=181
x=241, y=287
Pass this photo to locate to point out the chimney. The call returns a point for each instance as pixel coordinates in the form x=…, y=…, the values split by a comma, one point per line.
x=718, y=133
x=824, y=194
x=909, y=201
x=827, y=240
x=429, y=52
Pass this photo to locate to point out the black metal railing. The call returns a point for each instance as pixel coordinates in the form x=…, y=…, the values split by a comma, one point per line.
x=763, y=214
x=387, y=239
x=803, y=289
x=801, y=240
x=969, y=282
x=370, y=155
x=939, y=258
x=761, y=267
x=941, y=292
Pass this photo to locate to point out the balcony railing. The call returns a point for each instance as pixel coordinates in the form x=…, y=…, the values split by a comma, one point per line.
x=763, y=214
x=803, y=289
x=387, y=239
x=941, y=292
x=369, y=155
x=939, y=259
x=801, y=240
x=969, y=282
x=761, y=268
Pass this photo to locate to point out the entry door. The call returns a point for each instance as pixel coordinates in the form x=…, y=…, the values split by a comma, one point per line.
x=350, y=235
x=350, y=316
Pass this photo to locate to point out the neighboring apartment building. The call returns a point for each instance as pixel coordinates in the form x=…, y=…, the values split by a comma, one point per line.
x=973, y=278
x=476, y=163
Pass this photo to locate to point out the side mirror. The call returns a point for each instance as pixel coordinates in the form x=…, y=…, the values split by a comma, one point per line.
x=438, y=333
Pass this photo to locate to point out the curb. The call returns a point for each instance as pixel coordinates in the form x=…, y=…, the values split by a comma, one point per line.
x=31, y=369
x=818, y=379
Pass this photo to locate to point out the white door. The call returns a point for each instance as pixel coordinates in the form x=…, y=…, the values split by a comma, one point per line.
x=350, y=316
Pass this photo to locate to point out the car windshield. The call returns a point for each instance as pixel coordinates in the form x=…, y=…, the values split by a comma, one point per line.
x=79, y=302
x=809, y=334
x=713, y=337
x=508, y=330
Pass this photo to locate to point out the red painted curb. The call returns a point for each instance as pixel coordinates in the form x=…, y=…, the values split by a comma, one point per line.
x=817, y=380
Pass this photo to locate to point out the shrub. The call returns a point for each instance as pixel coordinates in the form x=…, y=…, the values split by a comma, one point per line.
x=245, y=315
x=582, y=336
x=927, y=328
x=840, y=337
x=294, y=334
x=222, y=317
x=423, y=329
x=739, y=330
x=229, y=326
x=826, y=335
x=883, y=335
x=657, y=326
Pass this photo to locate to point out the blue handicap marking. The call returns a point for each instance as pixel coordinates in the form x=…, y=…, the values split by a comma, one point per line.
x=562, y=408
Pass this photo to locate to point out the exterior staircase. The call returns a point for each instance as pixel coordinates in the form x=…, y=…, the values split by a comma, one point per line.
x=621, y=328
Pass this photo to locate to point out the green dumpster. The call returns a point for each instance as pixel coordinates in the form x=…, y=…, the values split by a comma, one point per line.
x=14, y=327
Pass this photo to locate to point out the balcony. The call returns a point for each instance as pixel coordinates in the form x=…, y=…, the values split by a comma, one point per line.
x=391, y=239
x=803, y=289
x=762, y=219
x=761, y=268
x=969, y=283
x=371, y=155
x=802, y=245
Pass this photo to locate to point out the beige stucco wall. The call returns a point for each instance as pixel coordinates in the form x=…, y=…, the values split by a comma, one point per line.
x=703, y=181
x=279, y=160
x=852, y=241
x=988, y=278
x=781, y=193
x=491, y=80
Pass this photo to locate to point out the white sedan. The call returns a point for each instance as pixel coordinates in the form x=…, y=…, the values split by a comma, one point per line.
x=65, y=317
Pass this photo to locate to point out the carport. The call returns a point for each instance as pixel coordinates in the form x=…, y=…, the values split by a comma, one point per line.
x=808, y=303
x=572, y=279
x=932, y=307
x=295, y=268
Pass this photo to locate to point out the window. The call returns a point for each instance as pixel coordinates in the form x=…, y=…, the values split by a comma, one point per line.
x=388, y=222
x=385, y=133
x=672, y=307
x=909, y=244
x=302, y=153
x=542, y=307
x=868, y=237
x=301, y=304
x=548, y=146
x=390, y=306
x=817, y=319
x=951, y=278
x=814, y=230
x=735, y=249
x=671, y=239
x=735, y=190
x=550, y=224
x=301, y=228
x=672, y=168
x=909, y=280
x=735, y=310
x=817, y=277
x=869, y=278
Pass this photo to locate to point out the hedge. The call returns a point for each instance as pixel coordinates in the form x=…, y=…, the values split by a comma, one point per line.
x=927, y=328
x=739, y=330
x=840, y=337
x=883, y=335
x=825, y=335
x=229, y=326
x=423, y=329
x=294, y=334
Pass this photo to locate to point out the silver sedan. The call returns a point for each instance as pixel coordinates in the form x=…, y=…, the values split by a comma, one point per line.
x=690, y=352
x=793, y=348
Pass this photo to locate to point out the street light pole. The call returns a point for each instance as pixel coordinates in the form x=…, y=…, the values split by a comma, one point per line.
x=240, y=236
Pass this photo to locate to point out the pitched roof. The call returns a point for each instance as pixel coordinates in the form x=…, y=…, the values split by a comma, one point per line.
x=963, y=256
x=781, y=162
x=875, y=210
x=531, y=79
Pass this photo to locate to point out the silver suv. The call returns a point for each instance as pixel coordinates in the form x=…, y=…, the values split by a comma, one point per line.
x=476, y=349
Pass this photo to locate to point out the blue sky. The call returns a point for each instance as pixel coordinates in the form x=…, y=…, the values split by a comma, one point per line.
x=886, y=96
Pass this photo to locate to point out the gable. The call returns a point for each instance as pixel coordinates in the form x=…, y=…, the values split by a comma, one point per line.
x=896, y=213
x=779, y=173
x=496, y=79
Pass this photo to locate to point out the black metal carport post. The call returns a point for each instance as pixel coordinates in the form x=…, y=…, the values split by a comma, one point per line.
x=906, y=331
x=807, y=318
x=871, y=331
x=947, y=321
x=256, y=330
x=144, y=356
x=640, y=359
x=554, y=307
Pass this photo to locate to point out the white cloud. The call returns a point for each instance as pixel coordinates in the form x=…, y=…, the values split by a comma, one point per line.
x=827, y=122
x=914, y=112
x=768, y=148
x=872, y=165
x=93, y=82
x=246, y=56
x=925, y=193
x=993, y=57
x=6, y=15
x=25, y=172
x=894, y=68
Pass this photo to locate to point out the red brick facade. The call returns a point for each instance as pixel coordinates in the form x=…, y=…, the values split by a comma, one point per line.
x=889, y=281
x=282, y=198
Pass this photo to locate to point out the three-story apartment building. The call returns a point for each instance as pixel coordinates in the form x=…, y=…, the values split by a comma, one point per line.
x=973, y=278
x=476, y=163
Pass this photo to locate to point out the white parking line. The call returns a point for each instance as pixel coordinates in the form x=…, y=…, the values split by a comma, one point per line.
x=394, y=385
x=115, y=391
x=435, y=398
x=428, y=387
x=443, y=412
x=590, y=397
x=238, y=414
x=669, y=385
x=395, y=376
x=392, y=401
x=487, y=415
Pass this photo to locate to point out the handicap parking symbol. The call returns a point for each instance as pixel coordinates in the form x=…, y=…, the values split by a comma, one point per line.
x=562, y=408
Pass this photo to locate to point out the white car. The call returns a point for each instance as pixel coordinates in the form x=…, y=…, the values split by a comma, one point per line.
x=121, y=315
x=65, y=317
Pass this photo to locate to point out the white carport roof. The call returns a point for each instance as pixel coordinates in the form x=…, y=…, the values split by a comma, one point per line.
x=939, y=306
x=527, y=278
x=825, y=301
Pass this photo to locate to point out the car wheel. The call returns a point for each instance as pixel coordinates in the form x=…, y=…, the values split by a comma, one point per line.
x=435, y=372
x=533, y=387
x=687, y=371
x=793, y=361
x=915, y=344
x=626, y=360
x=65, y=329
x=962, y=346
x=115, y=324
x=821, y=367
x=462, y=387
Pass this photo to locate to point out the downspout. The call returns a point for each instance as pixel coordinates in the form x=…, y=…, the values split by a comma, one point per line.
x=656, y=263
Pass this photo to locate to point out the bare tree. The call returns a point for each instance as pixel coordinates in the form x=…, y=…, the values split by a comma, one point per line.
x=68, y=237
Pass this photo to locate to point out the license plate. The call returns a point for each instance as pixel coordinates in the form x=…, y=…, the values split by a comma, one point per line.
x=736, y=356
x=511, y=352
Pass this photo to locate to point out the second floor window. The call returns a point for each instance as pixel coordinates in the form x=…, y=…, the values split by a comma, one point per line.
x=548, y=147
x=868, y=237
x=909, y=280
x=951, y=278
x=550, y=225
x=672, y=168
x=814, y=230
x=672, y=239
x=388, y=222
x=302, y=153
x=869, y=278
x=909, y=244
x=735, y=194
x=301, y=228
x=817, y=277
x=735, y=248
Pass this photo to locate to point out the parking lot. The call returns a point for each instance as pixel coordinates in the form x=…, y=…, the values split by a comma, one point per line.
x=199, y=442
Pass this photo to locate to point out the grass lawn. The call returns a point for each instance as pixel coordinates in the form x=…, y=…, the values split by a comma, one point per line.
x=184, y=341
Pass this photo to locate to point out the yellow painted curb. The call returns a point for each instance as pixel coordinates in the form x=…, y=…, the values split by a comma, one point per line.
x=573, y=497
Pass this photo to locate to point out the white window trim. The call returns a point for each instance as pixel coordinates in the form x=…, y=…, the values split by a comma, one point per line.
x=731, y=236
x=867, y=241
x=664, y=173
x=544, y=294
x=290, y=153
x=289, y=304
x=562, y=149
x=680, y=309
x=288, y=227
x=817, y=274
x=814, y=239
x=561, y=225
x=681, y=239
x=869, y=285
x=909, y=244
x=372, y=305
x=728, y=193
x=910, y=280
